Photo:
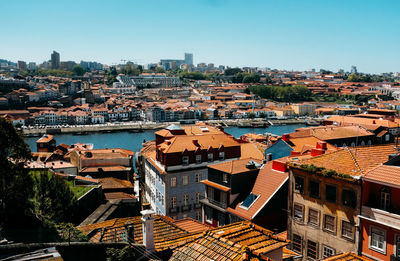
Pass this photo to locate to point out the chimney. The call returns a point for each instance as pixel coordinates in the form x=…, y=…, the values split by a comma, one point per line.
x=285, y=137
x=321, y=145
x=196, y=143
x=148, y=229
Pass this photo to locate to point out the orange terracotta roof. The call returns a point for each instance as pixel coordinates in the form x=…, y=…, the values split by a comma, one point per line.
x=114, y=183
x=348, y=120
x=327, y=133
x=215, y=185
x=45, y=138
x=234, y=166
x=298, y=144
x=106, y=153
x=252, y=150
x=268, y=182
x=387, y=174
x=348, y=256
x=118, y=195
x=191, y=225
x=353, y=161
x=104, y=169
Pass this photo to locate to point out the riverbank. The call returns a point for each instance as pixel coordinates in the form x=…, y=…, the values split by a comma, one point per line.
x=141, y=126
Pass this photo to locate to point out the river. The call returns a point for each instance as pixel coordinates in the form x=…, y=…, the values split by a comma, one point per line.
x=133, y=141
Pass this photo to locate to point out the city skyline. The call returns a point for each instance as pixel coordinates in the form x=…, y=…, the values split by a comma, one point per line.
x=283, y=35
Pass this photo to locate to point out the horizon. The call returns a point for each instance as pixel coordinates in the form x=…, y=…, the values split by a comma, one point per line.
x=287, y=35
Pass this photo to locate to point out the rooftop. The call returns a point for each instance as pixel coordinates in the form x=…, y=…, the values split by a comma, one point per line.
x=236, y=166
x=387, y=174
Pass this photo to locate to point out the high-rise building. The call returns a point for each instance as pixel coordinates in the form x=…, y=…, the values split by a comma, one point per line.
x=189, y=58
x=22, y=65
x=353, y=69
x=32, y=66
x=55, y=60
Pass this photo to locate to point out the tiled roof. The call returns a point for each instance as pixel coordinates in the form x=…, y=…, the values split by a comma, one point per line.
x=181, y=143
x=45, y=138
x=165, y=231
x=118, y=195
x=191, y=130
x=252, y=150
x=192, y=226
x=348, y=120
x=353, y=161
x=298, y=144
x=230, y=242
x=106, y=153
x=104, y=169
x=331, y=132
x=384, y=174
x=114, y=183
x=268, y=182
x=348, y=256
x=234, y=166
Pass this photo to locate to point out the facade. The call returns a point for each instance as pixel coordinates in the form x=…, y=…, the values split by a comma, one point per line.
x=380, y=212
x=46, y=143
x=55, y=60
x=174, y=165
x=325, y=200
x=189, y=58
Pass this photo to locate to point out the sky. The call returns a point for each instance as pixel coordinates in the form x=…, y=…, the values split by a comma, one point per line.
x=281, y=34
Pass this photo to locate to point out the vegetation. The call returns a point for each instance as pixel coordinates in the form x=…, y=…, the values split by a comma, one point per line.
x=232, y=71
x=192, y=75
x=368, y=78
x=124, y=254
x=282, y=93
x=78, y=70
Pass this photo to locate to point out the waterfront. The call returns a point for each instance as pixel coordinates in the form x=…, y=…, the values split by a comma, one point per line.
x=133, y=141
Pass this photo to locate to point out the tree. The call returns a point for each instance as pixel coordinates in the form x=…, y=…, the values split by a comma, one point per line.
x=15, y=183
x=232, y=71
x=78, y=70
x=53, y=199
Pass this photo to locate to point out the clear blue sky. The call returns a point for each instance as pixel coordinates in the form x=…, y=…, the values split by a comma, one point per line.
x=282, y=34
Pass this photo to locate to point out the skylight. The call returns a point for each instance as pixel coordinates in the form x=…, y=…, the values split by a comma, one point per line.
x=249, y=200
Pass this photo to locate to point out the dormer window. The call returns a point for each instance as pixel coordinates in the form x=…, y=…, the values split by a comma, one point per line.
x=210, y=157
x=225, y=177
x=185, y=160
x=198, y=159
x=221, y=155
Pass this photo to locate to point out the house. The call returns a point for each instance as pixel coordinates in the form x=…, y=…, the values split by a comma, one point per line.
x=246, y=190
x=325, y=199
x=46, y=143
x=380, y=212
x=101, y=163
x=173, y=166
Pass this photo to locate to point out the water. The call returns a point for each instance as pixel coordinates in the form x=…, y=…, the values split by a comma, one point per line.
x=133, y=141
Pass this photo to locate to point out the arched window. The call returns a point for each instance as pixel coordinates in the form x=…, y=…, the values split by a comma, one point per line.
x=362, y=143
x=353, y=144
x=369, y=143
x=385, y=198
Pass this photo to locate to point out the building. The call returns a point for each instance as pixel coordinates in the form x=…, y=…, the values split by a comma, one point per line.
x=189, y=58
x=353, y=69
x=31, y=66
x=304, y=109
x=55, y=60
x=46, y=143
x=325, y=199
x=22, y=66
x=380, y=212
x=245, y=189
x=173, y=166
x=154, y=80
x=102, y=163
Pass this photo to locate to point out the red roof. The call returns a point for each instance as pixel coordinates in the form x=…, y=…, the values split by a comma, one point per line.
x=384, y=174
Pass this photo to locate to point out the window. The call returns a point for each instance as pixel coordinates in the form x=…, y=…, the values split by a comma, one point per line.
x=173, y=202
x=221, y=155
x=385, y=198
x=313, y=217
x=327, y=251
x=397, y=253
x=221, y=219
x=173, y=182
x=225, y=177
x=208, y=213
x=198, y=159
x=377, y=240
x=312, y=249
x=198, y=215
x=197, y=197
x=185, y=180
x=197, y=177
x=349, y=198
x=186, y=200
x=210, y=193
x=185, y=160
x=210, y=157
x=298, y=213
x=314, y=188
x=330, y=193
x=330, y=223
x=299, y=184
x=297, y=243
x=347, y=230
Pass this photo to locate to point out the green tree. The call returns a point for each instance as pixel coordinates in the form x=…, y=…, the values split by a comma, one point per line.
x=232, y=71
x=15, y=183
x=78, y=70
x=124, y=254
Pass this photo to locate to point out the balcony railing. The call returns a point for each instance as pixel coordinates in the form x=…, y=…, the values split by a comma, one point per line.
x=186, y=207
x=223, y=205
x=381, y=216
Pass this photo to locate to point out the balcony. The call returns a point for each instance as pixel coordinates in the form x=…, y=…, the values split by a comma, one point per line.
x=388, y=218
x=186, y=207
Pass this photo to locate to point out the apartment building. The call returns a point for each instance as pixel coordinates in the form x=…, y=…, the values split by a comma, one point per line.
x=173, y=166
